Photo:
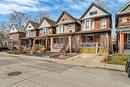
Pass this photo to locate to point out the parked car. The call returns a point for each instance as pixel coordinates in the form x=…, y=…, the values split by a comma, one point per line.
x=127, y=67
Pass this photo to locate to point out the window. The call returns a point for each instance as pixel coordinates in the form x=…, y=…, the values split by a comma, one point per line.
x=87, y=23
x=89, y=39
x=61, y=28
x=124, y=19
x=103, y=23
x=93, y=13
x=29, y=26
x=45, y=31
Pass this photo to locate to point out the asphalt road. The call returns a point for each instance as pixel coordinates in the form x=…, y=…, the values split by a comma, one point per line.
x=37, y=73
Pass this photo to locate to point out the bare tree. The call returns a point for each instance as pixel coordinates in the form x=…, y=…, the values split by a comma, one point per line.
x=18, y=18
x=4, y=27
x=38, y=17
x=100, y=3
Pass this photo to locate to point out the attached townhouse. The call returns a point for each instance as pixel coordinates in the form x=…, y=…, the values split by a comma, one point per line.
x=46, y=27
x=95, y=28
x=71, y=34
x=31, y=31
x=65, y=27
x=123, y=28
x=15, y=33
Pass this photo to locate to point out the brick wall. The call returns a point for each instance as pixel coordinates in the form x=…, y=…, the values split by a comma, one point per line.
x=120, y=23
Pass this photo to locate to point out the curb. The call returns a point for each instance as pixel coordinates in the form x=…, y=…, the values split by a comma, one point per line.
x=88, y=66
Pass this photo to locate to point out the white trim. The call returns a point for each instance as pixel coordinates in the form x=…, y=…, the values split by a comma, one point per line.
x=120, y=11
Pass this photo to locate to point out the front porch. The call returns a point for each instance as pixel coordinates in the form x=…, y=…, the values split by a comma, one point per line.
x=124, y=42
x=94, y=43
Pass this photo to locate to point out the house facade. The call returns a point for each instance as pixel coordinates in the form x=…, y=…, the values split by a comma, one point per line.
x=31, y=31
x=46, y=28
x=123, y=28
x=15, y=34
x=95, y=28
x=70, y=34
x=65, y=27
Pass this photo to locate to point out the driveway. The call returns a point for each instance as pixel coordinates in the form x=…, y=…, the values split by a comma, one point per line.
x=39, y=73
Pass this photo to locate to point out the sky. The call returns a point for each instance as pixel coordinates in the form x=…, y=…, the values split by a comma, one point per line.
x=54, y=7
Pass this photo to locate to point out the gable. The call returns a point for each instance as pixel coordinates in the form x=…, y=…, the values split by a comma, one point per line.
x=126, y=10
x=29, y=27
x=44, y=24
x=65, y=19
x=13, y=29
x=94, y=9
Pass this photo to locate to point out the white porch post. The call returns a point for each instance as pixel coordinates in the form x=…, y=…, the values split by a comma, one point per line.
x=70, y=44
x=51, y=43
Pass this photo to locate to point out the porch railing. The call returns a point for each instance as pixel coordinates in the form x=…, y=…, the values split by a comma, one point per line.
x=86, y=45
x=57, y=46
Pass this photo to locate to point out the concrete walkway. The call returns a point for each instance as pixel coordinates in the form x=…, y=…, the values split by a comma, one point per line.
x=84, y=60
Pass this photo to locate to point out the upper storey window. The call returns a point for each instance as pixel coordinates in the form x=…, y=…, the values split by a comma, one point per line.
x=61, y=28
x=93, y=13
x=103, y=23
x=123, y=19
x=87, y=23
x=45, y=31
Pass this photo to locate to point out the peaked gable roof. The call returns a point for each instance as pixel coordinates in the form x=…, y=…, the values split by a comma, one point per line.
x=70, y=16
x=19, y=29
x=51, y=22
x=34, y=25
x=93, y=4
x=124, y=7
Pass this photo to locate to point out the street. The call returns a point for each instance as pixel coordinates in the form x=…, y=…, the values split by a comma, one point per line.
x=38, y=73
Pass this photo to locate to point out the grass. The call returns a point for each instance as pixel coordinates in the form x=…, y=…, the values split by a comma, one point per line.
x=118, y=59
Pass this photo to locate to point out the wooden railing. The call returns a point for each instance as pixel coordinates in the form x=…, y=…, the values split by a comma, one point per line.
x=57, y=46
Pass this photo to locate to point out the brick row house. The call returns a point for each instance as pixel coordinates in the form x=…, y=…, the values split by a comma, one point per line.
x=31, y=31
x=96, y=27
x=71, y=34
x=123, y=29
x=15, y=33
x=46, y=27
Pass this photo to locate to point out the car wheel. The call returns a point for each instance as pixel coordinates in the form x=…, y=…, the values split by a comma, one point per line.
x=129, y=72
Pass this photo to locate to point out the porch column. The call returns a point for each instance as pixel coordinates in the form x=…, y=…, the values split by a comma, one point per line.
x=51, y=43
x=46, y=43
x=121, y=43
x=70, y=44
x=107, y=41
x=78, y=43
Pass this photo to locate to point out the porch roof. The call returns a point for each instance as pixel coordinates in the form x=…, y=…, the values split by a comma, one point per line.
x=123, y=29
x=95, y=31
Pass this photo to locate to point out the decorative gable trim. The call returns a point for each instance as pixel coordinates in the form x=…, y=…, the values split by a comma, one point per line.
x=123, y=8
x=50, y=22
x=93, y=4
x=13, y=26
x=33, y=24
x=66, y=13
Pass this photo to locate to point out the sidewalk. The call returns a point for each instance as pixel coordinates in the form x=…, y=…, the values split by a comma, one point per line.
x=83, y=60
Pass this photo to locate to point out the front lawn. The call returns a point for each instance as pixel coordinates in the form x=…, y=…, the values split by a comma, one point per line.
x=118, y=59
